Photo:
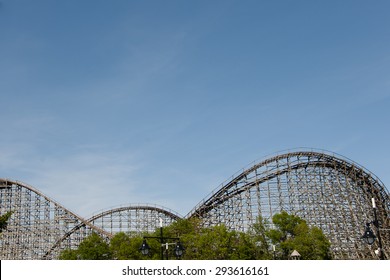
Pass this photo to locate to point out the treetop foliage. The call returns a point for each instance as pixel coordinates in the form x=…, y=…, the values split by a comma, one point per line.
x=292, y=233
x=286, y=232
x=4, y=220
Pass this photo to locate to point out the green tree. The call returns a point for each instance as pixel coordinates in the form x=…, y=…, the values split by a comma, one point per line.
x=292, y=233
x=94, y=247
x=120, y=246
x=289, y=232
x=69, y=254
x=216, y=242
x=258, y=234
x=124, y=247
x=4, y=220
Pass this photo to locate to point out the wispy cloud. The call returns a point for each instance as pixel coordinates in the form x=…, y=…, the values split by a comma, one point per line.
x=84, y=182
x=88, y=182
x=84, y=178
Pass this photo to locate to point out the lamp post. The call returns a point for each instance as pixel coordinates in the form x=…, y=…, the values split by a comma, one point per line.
x=369, y=236
x=178, y=250
x=274, y=251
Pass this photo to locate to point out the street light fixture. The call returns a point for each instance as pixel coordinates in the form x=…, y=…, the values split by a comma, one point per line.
x=145, y=249
x=369, y=236
x=178, y=250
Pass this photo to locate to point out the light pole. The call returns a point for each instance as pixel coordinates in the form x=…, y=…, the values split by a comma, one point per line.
x=369, y=236
x=178, y=250
x=274, y=251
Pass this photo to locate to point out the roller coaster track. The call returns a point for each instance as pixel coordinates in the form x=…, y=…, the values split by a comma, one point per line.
x=36, y=222
x=327, y=190
x=130, y=219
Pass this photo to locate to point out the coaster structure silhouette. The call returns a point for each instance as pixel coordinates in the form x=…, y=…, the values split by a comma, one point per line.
x=325, y=189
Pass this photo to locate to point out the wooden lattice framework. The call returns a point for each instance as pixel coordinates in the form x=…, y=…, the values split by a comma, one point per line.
x=36, y=223
x=132, y=219
x=327, y=190
x=40, y=227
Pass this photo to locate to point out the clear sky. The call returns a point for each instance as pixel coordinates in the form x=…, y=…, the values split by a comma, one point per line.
x=104, y=103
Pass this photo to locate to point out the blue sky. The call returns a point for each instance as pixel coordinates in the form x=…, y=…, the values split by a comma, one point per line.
x=104, y=103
